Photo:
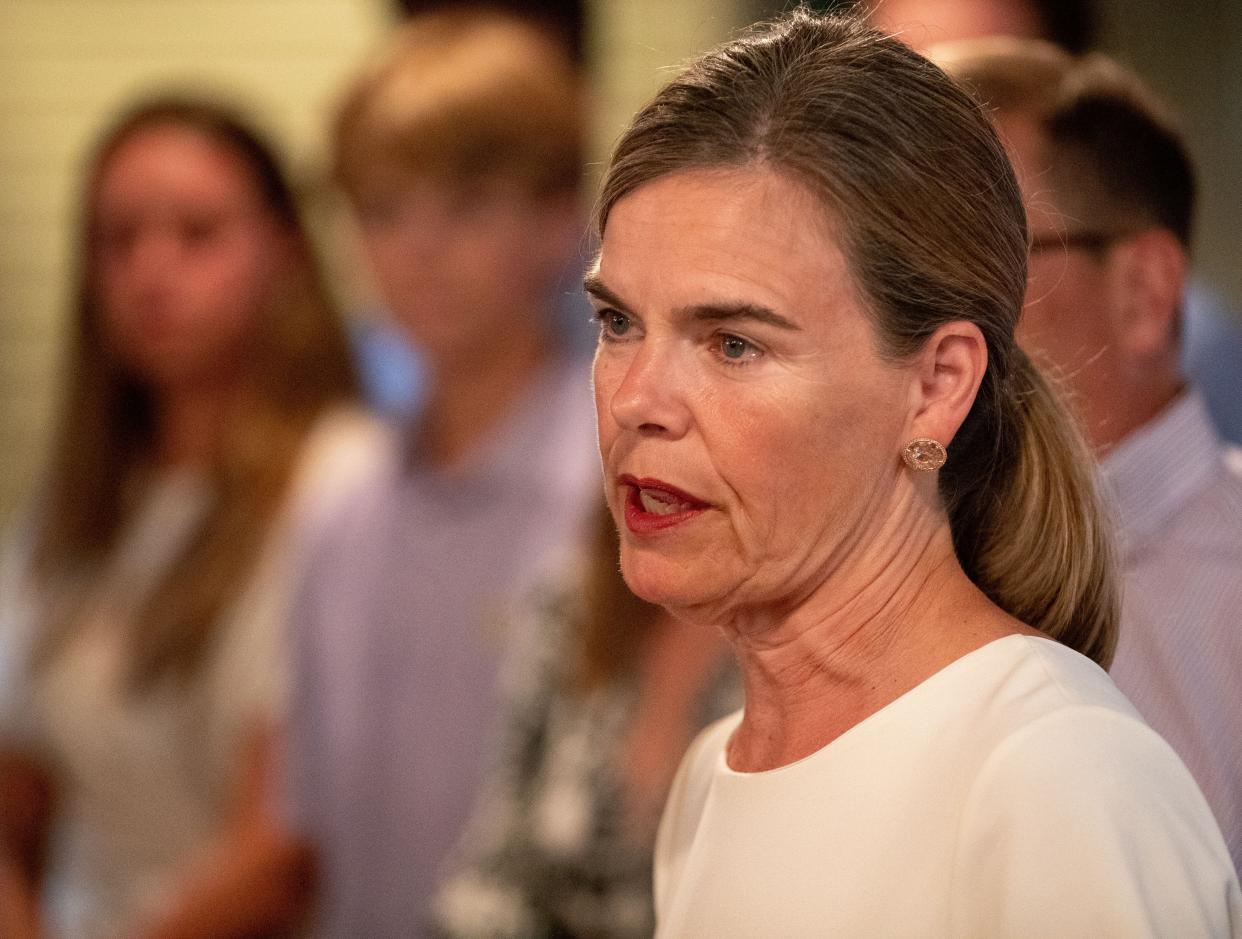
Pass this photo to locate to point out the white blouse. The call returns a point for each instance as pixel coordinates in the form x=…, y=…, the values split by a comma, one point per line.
x=1015, y=793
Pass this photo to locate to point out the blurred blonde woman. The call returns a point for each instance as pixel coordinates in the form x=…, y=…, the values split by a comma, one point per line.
x=207, y=426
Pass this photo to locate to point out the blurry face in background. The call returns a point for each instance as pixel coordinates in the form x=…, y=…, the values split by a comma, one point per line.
x=922, y=23
x=183, y=255
x=1069, y=321
x=462, y=269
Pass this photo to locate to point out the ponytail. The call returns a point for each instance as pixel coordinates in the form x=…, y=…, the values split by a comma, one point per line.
x=1030, y=529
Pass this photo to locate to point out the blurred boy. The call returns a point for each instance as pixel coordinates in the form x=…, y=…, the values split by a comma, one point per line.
x=460, y=151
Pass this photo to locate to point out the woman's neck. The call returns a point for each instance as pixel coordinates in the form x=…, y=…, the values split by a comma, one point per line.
x=864, y=638
x=190, y=423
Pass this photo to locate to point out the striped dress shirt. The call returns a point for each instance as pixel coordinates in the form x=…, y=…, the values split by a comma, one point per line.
x=1177, y=496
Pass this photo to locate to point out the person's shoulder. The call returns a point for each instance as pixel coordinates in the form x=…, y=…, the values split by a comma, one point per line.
x=347, y=447
x=1072, y=714
x=1087, y=744
x=347, y=463
x=1080, y=799
x=1021, y=679
x=1045, y=709
x=1208, y=525
x=1073, y=679
x=702, y=759
x=1088, y=823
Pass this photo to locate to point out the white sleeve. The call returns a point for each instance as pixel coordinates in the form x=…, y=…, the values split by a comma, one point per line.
x=1086, y=824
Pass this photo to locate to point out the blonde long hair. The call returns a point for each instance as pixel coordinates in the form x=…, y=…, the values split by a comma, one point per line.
x=935, y=231
x=299, y=365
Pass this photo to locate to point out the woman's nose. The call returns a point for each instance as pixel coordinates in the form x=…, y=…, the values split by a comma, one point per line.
x=650, y=397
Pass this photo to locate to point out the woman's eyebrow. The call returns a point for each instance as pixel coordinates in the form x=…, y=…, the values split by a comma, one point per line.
x=717, y=312
x=706, y=312
x=593, y=285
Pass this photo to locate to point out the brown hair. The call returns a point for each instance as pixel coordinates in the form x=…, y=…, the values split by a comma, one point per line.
x=298, y=365
x=1115, y=154
x=934, y=229
x=465, y=96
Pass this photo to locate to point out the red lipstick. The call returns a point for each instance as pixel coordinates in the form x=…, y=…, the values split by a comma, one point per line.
x=652, y=505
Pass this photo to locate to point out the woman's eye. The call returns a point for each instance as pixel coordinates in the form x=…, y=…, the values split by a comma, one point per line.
x=614, y=322
x=736, y=349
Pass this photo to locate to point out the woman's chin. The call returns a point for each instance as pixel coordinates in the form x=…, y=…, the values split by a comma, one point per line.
x=654, y=582
x=679, y=586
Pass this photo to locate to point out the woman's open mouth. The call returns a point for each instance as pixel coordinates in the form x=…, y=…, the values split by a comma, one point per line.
x=652, y=505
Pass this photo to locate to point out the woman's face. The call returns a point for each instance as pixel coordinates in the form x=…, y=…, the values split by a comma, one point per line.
x=750, y=430
x=183, y=254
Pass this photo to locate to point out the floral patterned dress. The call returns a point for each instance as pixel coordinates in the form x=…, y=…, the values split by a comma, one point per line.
x=551, y=851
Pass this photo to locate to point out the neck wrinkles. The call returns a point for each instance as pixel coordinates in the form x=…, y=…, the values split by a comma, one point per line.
x=868, y=632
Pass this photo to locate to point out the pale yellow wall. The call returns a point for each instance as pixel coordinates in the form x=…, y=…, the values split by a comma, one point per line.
x=1191, y=54
x=637, y=44
x=67, y=65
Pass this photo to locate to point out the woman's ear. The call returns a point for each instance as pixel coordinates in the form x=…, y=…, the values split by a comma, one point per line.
x=946, y=376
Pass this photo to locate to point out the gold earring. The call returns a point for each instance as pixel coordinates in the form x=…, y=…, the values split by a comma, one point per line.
x=924, y=455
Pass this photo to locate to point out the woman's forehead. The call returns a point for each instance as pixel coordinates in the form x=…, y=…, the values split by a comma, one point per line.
x=749, y=229
x=173, y=159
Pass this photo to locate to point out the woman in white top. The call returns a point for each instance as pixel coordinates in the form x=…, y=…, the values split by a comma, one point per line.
x=206, y=426
x=813, y=258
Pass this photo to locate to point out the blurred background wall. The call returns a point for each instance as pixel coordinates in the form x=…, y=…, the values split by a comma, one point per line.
x=1191, y=53
x=67, y=65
